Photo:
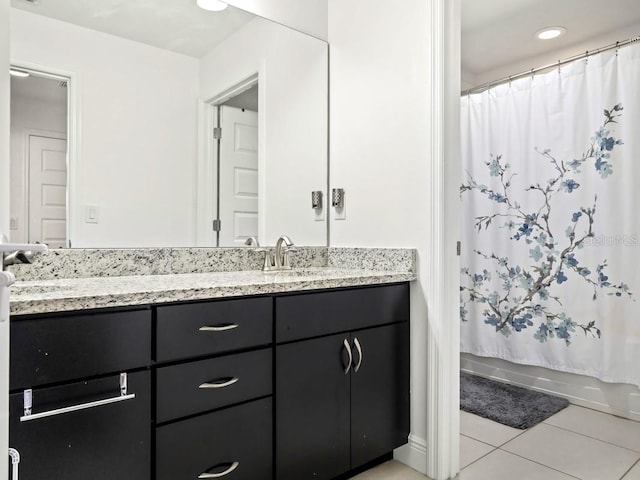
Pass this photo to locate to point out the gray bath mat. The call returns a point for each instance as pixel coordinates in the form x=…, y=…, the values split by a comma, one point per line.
x=513, y=406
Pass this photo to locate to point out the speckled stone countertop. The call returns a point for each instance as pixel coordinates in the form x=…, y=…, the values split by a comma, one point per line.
x=46, y=296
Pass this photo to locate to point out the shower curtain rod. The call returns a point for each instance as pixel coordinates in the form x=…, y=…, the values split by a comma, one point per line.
x=559, y=63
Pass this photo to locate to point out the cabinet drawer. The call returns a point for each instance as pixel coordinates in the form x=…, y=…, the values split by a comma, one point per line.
x=55, y=349
x=212, y=443
x=315, y=314
x=104, y=442
x=197, y=329
x=182, y=390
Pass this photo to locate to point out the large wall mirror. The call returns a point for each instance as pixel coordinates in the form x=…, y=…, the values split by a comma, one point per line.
x=158, y=124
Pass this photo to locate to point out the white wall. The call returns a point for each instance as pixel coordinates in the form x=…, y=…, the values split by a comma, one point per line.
x=138, y=115
x=388, y=120
x=4, y=227
x=29, y=115
x=292, y=120
x=308, y=16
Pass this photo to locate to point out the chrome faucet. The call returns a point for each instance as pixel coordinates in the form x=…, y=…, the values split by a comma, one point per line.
x=15, y=253
x=282, y=261
x=15, y=258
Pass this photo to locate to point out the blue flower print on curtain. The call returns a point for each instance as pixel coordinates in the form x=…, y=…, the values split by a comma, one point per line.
x=527, y=299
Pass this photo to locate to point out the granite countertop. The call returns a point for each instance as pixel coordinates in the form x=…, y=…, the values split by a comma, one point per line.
x=43, y=296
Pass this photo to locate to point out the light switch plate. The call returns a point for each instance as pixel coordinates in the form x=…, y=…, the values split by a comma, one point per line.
x=13, y=223
x=91, y=214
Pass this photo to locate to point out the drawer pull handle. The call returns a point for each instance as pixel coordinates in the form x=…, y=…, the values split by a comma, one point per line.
x=27, y=395
x=346, y=346
x=231, y=468
x=359, y=350
x=219, y=384
x=220, y=328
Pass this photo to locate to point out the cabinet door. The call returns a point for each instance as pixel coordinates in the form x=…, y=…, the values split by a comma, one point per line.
x=307, y=315
x=234, y=443
x=49, y=349
x=379, y=391
x=181, y=389
x=206, y=328
x=104, y=442
x=312, y=409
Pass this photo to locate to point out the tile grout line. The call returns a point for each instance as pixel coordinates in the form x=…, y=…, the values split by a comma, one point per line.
x=595, y=438
x=477, y=440
x=630, y=468
x=493, y=449
x=542, y=464
x=619, y=417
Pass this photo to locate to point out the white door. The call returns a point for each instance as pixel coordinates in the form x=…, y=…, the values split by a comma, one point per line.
x=238, y=178
x=48, y=191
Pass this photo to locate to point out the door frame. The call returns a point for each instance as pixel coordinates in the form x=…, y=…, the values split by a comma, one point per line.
x=73, y=136
x=207, y=167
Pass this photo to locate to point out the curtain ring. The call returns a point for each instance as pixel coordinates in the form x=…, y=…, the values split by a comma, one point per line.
x=509, y=81
x=586, y=57
x=559, y=67
x=617, y=48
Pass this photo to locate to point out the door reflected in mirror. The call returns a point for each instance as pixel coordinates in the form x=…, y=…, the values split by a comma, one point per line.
x=38, y=197
x=142, y=168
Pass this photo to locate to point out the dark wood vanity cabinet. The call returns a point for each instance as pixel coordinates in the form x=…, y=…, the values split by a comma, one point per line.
x=342, y=399
x=214, y=411
x=86, y=380
x=203, y=389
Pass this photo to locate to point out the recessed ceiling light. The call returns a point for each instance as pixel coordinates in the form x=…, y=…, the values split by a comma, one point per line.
x=212, y=5
x=548, y=33
x=18, y=73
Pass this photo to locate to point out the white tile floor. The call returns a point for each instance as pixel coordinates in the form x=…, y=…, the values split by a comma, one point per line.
x=576, y=443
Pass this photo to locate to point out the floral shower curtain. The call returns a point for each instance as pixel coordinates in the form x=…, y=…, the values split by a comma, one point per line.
x=551, y=219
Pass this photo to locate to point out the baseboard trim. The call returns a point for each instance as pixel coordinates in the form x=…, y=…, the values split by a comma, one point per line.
x=413, y=454
x=617, y=399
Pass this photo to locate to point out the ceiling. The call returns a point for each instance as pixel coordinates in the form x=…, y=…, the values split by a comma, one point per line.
x=176, y=25
x=496, y=33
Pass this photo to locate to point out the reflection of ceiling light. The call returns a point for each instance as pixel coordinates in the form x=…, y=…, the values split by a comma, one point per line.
x=548, y=33
x=18, y=73
x=212, y=5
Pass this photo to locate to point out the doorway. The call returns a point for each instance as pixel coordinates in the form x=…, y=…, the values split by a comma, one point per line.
x=235, y=154
x=38, y=158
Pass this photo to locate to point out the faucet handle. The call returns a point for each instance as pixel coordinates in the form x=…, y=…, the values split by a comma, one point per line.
x=252, y=241
x=269, y=259
x=286, y=257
